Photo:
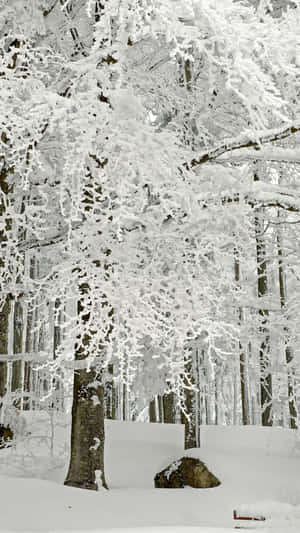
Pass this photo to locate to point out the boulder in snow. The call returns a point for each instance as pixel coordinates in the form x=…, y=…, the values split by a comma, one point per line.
x=6, y=435
x=186, y=471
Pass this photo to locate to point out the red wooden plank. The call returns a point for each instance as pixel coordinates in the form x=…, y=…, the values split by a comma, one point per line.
x=257, y=518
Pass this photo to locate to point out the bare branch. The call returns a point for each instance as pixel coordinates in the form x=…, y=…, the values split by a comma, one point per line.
x=30, y=356
x=47, y=12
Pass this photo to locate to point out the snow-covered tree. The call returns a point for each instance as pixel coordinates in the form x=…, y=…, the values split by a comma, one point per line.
x=127, y=127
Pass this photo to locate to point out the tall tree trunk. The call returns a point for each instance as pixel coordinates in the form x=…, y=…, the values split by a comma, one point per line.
x=29, y=342
x=152, y=411
x=159, y=400
x=4, y=320
x=288, y=350
x=216, y=398
x=87, y=438
x=88, y=434
x=16, y=381
x=18, y=320
x=110, y=394
x=264, y=350
x=5, y=310
x=56, y=325
x=191, y=424
x=125, y=410
x=242, y=353
x=203, y=381
x=169, y=408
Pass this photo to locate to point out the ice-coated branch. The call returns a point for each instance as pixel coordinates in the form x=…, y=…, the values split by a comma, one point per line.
x=245, y=141
x=270, y=195
x=269, y=153
x=31, y=244
x=30, y=356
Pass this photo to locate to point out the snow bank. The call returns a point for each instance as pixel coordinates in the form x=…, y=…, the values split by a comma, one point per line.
x=272, y=440
x=243, y=459
x=270, y=509
x=136, y=451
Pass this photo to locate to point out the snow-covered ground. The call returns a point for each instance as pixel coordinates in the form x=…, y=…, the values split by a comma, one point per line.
x=259, y=469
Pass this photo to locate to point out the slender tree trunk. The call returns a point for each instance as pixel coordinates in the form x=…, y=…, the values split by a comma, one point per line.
x=29, y=343
x=16, y=381
x=152, y=411
x=242, y=354
x=56, y=326
x=197, y=358
x=191, y=427
x=5, y=310
x=264, y=351
x=160, y=410
x=125, y=414
x=169, y=408
x=204, y=392
x=4, y=319
x=209, y=389
x=216, y=397
x=110, y=395
x=288, y=350
x=235, y=379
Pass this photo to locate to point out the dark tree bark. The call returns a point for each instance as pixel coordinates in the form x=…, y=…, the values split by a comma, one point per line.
x=87, y=438
x=264, y=350
x=58, y=381
x=160, y=408
x=169, y=408
x=242, y=354
x=191, y=423
x=88, y=434
x=110, y=400
x=191, y=437
x=29, y=346
x=164, y=411
x=152, y=411
x=6, y=308
x=288, y=350
x=57, y=327
x=4, y=319
x=16, y=379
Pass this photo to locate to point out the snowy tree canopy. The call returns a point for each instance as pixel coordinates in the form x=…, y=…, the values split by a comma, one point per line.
x=119, y=124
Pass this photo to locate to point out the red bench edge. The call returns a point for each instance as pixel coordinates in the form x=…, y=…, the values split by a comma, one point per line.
x=257, y=518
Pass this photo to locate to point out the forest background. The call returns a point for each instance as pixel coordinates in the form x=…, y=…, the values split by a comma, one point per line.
x=149, y=216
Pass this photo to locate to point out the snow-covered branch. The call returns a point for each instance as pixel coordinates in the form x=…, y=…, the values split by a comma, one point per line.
x=270, y=153
x=31, y=244
x=30, y=356
x=248, y=140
